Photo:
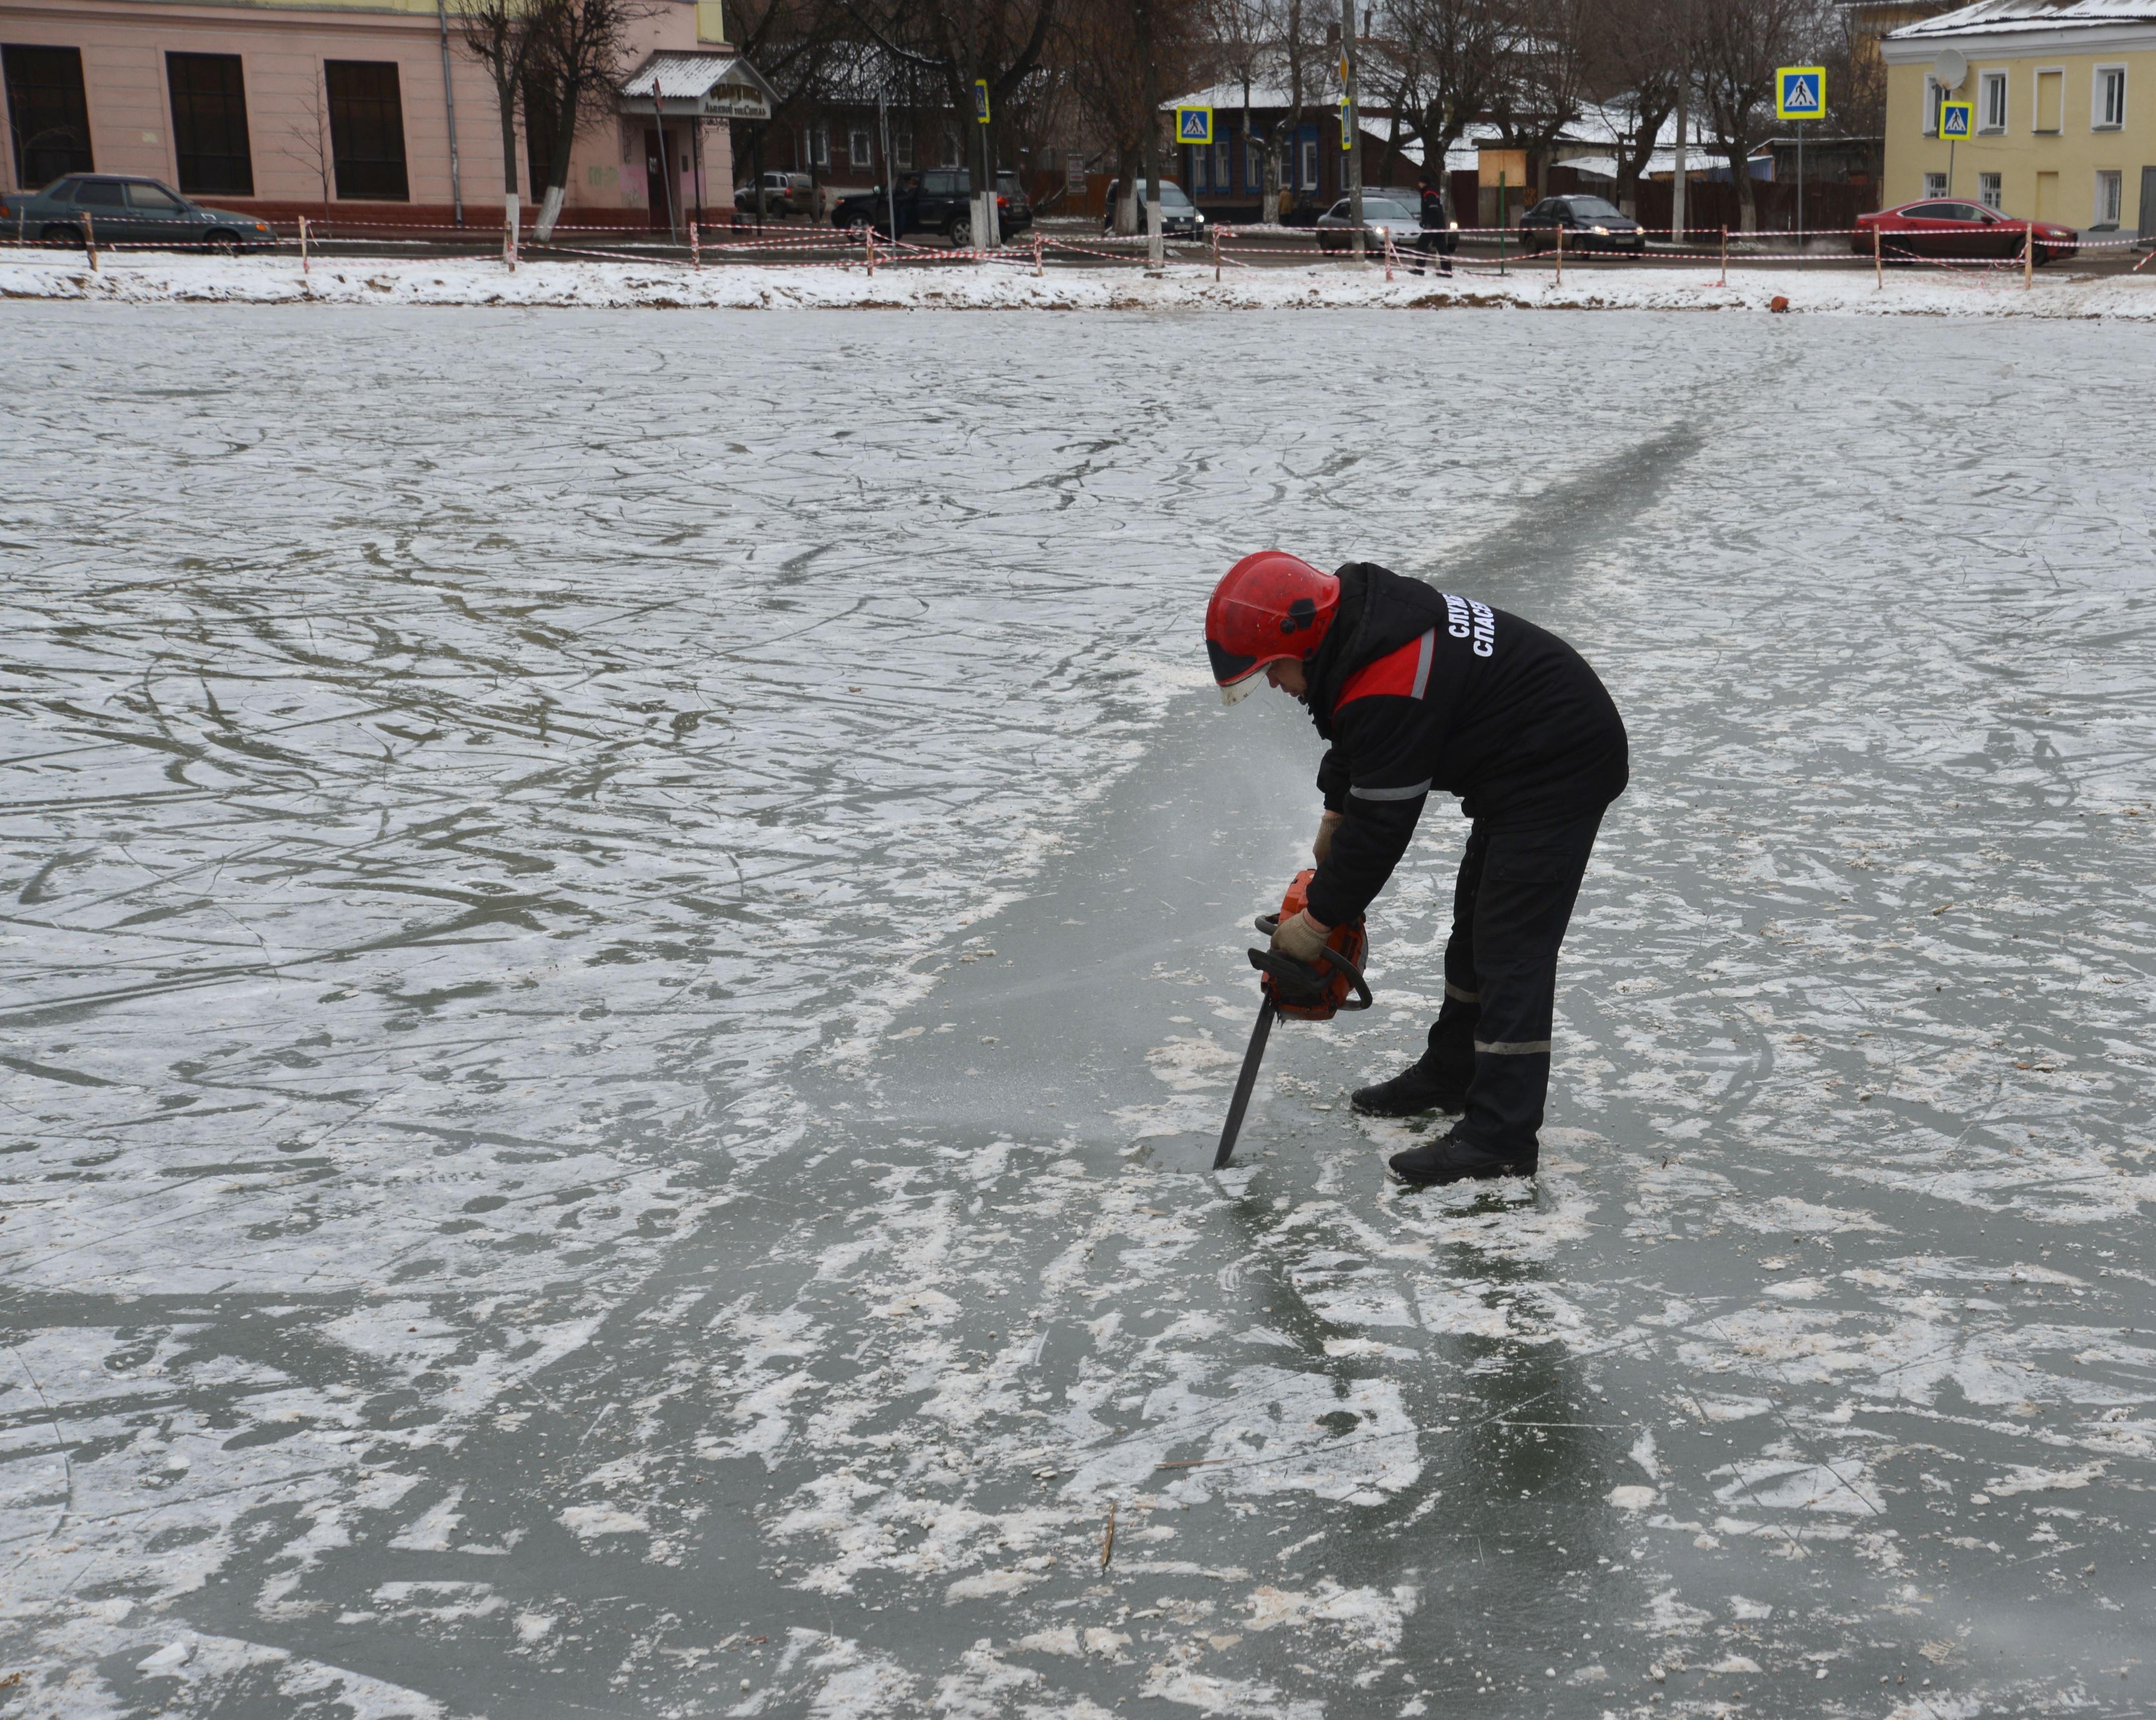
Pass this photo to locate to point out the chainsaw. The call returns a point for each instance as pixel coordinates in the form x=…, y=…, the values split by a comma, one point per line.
x=1298, y=990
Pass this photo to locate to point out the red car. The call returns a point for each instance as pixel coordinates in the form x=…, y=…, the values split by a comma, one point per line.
x=1944, y=227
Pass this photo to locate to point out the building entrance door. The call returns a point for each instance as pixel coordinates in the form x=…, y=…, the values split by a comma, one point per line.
x=657, y=198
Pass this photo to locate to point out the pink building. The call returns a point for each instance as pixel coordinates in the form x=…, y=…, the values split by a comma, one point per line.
x=362, y=112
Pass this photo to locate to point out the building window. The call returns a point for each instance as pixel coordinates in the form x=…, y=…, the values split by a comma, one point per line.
x=858, y=152
x=1934, y=93
x=951, y=155
x=1254, y=164
x=2050, y=101
x=1989, y=191
x=2110, y=198
x=1991, y=103
x=1221, y=167
x=1308, y=181
x=1935, y=185
x=818, y=139
x=902, y=147
x=1200, y=173
x=366, y=130
x=48, y=114
x=209, y=124
x=2109, y=112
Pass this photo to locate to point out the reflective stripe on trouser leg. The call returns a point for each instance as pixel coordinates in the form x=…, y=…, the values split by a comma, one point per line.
x=1529, y=882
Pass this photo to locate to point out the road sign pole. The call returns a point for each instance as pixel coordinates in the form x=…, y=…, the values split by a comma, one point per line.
x=1800, y=186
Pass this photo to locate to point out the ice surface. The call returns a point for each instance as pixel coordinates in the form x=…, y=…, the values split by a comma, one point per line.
x=624, y=944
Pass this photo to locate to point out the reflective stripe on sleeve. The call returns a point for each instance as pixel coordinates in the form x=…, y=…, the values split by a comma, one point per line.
x=1459, y=996
x=1428, y=651
x=1407, y=793
x=1513, y=1048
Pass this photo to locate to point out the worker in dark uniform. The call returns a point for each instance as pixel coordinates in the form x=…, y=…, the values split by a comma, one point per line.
x=1438, y=237
x=1418, y=690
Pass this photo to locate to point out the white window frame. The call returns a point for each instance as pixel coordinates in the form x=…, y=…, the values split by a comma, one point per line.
x=1201, y=170
x=1254, y=164
x=2116, y=185
x=1306, y=173
x=1993, y=82
x=2098, y=122
x=1934, y=93
x=1991, y=190
x=902, y=147
x=2036, y=101
x=1935, y=185
x=860, y=148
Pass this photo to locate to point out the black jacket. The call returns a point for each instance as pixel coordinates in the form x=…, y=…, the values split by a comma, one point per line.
x=1418, y=689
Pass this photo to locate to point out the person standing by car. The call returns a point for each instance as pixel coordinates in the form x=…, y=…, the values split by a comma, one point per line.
x=1436, y=240
x=1418, y=691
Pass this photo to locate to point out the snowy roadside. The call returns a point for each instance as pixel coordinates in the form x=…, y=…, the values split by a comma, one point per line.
x=594, y=285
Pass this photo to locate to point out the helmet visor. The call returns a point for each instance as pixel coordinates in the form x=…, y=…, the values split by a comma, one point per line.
x=1236, y=691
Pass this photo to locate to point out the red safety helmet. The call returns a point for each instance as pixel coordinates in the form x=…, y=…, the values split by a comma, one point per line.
x=1268, y=606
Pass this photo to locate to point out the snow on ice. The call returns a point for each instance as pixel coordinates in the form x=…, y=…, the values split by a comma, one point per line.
x=623, y=943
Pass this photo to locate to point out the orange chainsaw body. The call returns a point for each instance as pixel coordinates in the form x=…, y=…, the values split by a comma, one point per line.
x=1347, y=937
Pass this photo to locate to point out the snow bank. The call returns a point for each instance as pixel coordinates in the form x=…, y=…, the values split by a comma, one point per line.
x=278, y=280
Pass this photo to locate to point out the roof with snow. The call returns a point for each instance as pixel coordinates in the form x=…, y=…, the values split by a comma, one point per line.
x=2011, y=17
x=717, y=85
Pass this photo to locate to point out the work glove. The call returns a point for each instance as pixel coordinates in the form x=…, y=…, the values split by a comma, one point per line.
x=1322, y=845
x=1300, y=936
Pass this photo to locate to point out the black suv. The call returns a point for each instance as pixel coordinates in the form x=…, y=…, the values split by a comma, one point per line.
x=938, y=201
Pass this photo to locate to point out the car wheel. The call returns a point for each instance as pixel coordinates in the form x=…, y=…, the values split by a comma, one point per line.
x=960, y=232
x=58, y=235
x=222, y=241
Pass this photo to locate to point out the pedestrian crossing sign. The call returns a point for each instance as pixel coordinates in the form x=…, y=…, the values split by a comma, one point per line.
x=981, y=99
x=1194, y=125
x=1800, y=92
x=1956, y=120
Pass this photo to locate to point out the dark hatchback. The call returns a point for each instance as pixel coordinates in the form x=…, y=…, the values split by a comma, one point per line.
x=1588, y=223
x=115, y=209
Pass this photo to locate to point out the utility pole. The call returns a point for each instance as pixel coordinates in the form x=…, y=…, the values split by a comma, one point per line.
x=1155, y=240
x=449, y=100
x=1351, y=119
x=1684, y=133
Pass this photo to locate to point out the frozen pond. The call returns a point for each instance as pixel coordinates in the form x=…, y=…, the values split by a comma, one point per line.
x=623, y=949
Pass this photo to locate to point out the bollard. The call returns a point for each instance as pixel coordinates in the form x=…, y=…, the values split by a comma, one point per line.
x=867, y=245
x=303, y=269
x=1878, y=264
x=1388, y=259
x=1037, y=269
x=89, y=236
x=695, y=249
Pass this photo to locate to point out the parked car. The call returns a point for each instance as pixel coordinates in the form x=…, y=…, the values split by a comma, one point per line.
x=1013, y=207
x=1942, y=227
x=1384, y=217
x=119, y=210
x=1179, y=218
x=1588, y=223
x=778, y=194
x=940, y=201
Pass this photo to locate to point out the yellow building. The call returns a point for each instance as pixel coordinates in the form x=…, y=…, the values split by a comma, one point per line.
x=2065, y=110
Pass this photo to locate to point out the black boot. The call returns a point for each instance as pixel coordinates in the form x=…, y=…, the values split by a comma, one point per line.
x=1451, y=1159
x=1410, y=1093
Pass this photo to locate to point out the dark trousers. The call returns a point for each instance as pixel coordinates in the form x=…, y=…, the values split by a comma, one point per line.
x=1492, y=1036
x=1431, y=246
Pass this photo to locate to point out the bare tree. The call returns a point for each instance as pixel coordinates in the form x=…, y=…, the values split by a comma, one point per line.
x=1857, y=83
x=1543, y=77
x=1639, y=52
x=570, y=74
x=1740, y=41
x=502, y=36
x=796, y=44
x=306, y=138
x=1452, y=56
